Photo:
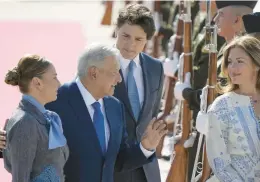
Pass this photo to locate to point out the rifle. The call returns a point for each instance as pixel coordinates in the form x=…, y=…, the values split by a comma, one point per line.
x=212, y=94
x=157, y=37
x=209, y=92
x=179, y=167
x=175, y=45
x=107, y=18
x=180, y=26
x=175, y=48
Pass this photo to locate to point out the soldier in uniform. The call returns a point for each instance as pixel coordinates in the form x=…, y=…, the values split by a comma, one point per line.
x=170, y=16
x=200, y=70
x=230, y=25
x=166, y=30
x=200, y=66
x=201, y=56
x=200, y=59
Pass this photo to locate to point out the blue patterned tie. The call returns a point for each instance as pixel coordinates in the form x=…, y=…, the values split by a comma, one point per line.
x=132, y=91
x=98, y=121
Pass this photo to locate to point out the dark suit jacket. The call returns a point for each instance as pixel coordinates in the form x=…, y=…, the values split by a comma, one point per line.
x=86, y=162
x=153, y=76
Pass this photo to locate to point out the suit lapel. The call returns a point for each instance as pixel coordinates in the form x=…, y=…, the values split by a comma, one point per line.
x=85, y=122
x=122, y=95
x=111, y=117
x=147, y=85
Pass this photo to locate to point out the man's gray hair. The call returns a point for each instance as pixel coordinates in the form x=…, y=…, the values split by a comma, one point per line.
x=94, y=55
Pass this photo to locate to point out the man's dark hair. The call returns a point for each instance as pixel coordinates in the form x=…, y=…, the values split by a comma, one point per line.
x=136, y=14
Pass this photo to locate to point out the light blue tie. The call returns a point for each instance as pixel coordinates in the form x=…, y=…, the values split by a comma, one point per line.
x=99, y=124
x=56, y=137
x=132, y=91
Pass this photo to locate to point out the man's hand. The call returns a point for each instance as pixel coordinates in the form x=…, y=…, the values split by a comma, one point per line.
x=2, y=139
x=179, y=87
x=153, y=134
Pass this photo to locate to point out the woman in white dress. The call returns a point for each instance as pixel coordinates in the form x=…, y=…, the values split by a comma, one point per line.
x=233, y=134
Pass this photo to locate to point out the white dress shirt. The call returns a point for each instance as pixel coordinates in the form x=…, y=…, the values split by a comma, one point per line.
x=89, y=100
x=138, y=75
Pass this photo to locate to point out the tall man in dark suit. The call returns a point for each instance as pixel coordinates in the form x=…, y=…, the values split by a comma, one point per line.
x=94, y=121
x=142, y=81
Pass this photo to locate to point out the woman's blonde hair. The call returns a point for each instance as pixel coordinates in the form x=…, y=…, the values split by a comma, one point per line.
x=256, y=35
x=251, y=46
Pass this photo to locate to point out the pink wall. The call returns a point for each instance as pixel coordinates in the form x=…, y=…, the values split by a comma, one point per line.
x=61, y=42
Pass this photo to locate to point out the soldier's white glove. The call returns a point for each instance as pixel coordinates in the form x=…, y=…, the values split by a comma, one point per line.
x=179, y=86
x=170, y=67
x=190, y=141
x=202, y=122
x=177, y=138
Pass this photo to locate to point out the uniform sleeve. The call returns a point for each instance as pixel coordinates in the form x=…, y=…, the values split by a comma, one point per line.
x=217, y=150
x=22, y=144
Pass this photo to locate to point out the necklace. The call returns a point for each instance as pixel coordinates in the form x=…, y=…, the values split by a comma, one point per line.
x=254, y=100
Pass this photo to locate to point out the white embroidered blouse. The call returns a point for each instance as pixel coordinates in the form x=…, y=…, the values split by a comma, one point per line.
x=233, y=139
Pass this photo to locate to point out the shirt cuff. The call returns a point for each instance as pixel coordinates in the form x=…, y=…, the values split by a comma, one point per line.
x=147, y=153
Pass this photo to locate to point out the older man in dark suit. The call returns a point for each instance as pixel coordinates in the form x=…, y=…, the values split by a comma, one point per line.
x=94, y=121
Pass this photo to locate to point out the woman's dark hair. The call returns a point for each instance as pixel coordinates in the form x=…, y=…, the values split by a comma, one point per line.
x=136, y=14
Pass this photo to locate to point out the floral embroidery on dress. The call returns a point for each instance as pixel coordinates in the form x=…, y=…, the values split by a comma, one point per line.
x=235, y=158
x=237, y=130
x=257, y=173
x=250, y=180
